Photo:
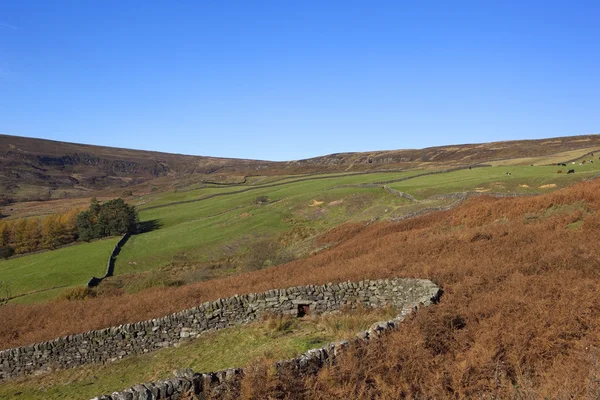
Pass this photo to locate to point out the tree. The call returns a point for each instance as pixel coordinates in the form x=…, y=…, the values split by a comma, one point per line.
x=33, y=234
x=69, y=224
x=115, y=217
x=19, y=236
x=85, y=226
x=52, y=232
x=94, y=207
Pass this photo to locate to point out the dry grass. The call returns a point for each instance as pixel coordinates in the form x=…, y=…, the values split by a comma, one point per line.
x=520, y=316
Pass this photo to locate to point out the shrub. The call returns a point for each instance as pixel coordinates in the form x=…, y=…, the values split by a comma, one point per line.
x=6, y=252
x=261, y=200
x=78, y=293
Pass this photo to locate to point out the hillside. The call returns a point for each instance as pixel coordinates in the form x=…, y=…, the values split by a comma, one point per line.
x=41, y=169
x=504, y=237
x=519, y=317
x=37, y=169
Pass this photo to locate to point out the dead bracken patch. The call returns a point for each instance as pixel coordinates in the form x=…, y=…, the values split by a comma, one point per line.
x=316, y=203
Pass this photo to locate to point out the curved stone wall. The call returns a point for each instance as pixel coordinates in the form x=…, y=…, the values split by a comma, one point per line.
x=113, y=343
x=211, y=385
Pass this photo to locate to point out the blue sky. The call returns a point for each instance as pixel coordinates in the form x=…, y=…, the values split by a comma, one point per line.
x=285, y=80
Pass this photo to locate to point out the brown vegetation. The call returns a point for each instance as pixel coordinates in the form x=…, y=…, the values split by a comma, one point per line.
x=519, y=318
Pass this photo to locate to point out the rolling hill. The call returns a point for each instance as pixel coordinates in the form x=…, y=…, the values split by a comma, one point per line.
x=38, y=169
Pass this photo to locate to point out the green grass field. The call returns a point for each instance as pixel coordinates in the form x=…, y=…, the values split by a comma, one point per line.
x=202, y=229
x=60, y=269
x=523, y=179
x=277, y=338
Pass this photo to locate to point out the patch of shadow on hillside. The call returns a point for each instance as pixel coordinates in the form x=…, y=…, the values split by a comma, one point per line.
x=149, y=226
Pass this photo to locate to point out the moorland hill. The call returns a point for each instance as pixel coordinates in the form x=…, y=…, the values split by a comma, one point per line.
x=39, y=169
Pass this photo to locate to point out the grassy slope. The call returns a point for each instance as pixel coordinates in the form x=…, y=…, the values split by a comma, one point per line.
x=193, y=230
x=203, y=230
x=198, y=231
x=277, y=338
x=69, y=266
x=494, y=179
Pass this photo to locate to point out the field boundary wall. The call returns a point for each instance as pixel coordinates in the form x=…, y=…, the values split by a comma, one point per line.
x=114, y=343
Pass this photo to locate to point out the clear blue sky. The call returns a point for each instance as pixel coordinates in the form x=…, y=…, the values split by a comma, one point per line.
x=289, y=79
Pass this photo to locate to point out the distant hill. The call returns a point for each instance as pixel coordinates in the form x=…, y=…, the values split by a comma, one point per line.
x=39, y=169
x=35, y=168
x=462, y=154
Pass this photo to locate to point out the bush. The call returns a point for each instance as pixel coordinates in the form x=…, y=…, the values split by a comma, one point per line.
x=78, y=293
x=6, y=252
x=261, y=200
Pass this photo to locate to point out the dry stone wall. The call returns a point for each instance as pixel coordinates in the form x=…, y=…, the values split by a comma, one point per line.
x=110, y=266
x=111, y=344
x=213, y=385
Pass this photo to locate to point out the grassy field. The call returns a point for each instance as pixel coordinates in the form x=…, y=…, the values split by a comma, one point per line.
x=200, y=231
x=206, y=229
x=316, y=182
x=523, y=179
x=275, y=338
x=40, y=273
